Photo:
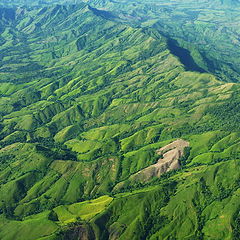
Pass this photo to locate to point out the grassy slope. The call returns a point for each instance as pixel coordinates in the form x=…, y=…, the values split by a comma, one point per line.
x=47, y=223
x=84, y=109
x=200, y=206
x=204, y=34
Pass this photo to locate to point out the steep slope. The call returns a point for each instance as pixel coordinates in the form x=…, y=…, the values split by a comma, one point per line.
x=205, y=32
x=86, y=103
x=197, y=204
x=169, y=160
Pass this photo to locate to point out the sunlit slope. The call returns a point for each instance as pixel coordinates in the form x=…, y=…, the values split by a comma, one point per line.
x=48, y=224
x=205, y=33
x=86, y=103
x=197, y=204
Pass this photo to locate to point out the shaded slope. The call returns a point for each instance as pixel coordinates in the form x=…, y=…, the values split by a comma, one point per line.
x=184, y=56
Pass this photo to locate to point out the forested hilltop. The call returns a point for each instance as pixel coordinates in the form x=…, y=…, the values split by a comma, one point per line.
x=119, y=120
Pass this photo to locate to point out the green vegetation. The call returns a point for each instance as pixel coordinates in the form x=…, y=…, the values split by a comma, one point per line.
x=83, y=210
x=90, y=91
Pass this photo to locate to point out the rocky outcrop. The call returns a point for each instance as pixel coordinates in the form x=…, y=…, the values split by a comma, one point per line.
x=78, y=232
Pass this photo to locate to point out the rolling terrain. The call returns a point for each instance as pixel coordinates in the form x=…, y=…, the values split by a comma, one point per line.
x=118, y=126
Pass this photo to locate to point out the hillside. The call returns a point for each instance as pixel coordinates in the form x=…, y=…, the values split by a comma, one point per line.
x=208, y=31
x=115, y=127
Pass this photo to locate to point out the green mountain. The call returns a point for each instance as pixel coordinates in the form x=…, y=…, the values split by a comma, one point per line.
x=119, y=120
x=208, y=30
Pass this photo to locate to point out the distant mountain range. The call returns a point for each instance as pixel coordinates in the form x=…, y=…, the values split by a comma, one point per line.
x=105, y=2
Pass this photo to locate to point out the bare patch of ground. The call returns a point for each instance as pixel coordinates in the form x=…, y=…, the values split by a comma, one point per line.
x=171, y=154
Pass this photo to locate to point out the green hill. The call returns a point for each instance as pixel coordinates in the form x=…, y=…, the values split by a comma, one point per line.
x=94, y=100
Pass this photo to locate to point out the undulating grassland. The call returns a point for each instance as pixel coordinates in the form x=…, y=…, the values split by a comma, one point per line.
x=87, y=97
